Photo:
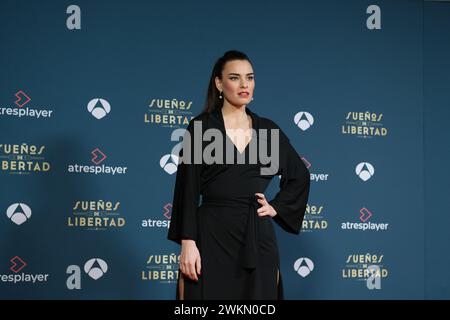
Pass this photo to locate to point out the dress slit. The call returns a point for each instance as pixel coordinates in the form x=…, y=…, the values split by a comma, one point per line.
x=180, y=286
x=279, y=286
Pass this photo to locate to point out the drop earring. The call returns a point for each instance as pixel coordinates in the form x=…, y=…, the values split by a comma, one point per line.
x=220, y=96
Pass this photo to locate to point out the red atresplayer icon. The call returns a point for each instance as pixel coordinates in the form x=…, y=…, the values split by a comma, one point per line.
x=17, y=264
x=306, y=162
x=365, y=214
x=167, y=213
x=22, y=99
x=96, y=159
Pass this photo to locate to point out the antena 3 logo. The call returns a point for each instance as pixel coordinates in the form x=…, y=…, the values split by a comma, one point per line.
x=169, y=112
x=364, y=125
x=162, y=268
x=303, y=266
x=304, y=120
x=96, y=215
x=364, y=170
x=22, y=108
x=17, y=264
x=18, y=213
x=23, y=159
x=160, y=223
x=169, y=162
x=95, y=268
x=314, y=219
x=97, y=158
x=99, y=108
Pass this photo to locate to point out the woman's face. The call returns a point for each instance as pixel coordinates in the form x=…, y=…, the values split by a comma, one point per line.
x=237, y=83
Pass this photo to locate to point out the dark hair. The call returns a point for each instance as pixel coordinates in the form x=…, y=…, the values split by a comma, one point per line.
x=212, y=96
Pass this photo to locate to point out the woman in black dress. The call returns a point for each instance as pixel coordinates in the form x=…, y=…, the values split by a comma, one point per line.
x=228, y=244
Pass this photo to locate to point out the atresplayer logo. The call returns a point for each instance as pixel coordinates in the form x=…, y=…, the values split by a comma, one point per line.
x=95, y=268
x=22, y=108
x=159, y=223
x=365, y=225
x=97, y=158
x=317, y=177
x=17, y=265
x=22, y=98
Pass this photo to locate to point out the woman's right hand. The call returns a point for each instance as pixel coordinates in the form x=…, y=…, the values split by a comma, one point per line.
x=190, y=262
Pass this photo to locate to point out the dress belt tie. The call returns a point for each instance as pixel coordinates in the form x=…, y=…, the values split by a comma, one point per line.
x=251, y=239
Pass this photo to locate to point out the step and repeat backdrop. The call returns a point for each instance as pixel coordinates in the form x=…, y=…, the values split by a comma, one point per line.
x=91, y=92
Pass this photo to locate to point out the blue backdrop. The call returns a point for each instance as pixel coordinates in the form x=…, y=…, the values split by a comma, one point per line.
x=91, y=92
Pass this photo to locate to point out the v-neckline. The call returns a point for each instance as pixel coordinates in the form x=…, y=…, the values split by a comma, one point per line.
x=248, y=112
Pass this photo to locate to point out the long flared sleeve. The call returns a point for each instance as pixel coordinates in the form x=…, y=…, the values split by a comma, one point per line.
x=183, y=221
x=291, y=201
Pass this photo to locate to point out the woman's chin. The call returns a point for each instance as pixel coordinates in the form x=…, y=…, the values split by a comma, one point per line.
x=243, y=100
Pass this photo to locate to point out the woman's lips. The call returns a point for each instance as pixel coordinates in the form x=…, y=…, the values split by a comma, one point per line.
x=243, y=94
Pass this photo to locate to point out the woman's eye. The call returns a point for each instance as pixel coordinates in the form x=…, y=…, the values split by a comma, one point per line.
x=233, y=78
x=250, y=78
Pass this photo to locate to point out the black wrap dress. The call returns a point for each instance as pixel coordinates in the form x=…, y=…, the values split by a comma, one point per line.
x=238, y=248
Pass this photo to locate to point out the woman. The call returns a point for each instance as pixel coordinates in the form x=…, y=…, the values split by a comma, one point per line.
x=228, y=244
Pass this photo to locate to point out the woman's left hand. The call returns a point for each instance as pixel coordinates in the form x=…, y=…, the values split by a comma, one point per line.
x=266, y=209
